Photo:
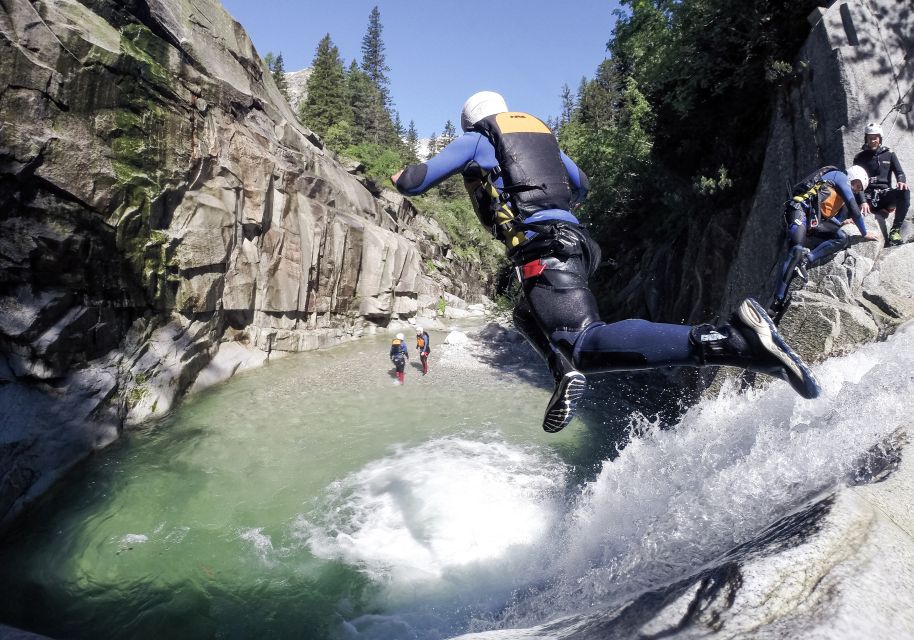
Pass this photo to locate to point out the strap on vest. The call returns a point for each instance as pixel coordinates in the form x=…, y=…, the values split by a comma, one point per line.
x=506, y=222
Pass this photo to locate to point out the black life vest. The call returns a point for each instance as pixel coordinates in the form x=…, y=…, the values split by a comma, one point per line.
x=530, y=161
x=819, y=197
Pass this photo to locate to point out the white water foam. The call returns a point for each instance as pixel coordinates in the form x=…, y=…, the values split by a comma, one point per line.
x=677, y=499
x=445, y=506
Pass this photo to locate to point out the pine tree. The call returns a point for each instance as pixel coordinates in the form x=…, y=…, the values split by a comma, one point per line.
x=277, y=70
x=412, y=141
x=433, y=144
x=279, y=76
x=363, y=101
x=448, y=134
x=327, y=102
x=398, y=125
x=567, y=105
x=373, y=59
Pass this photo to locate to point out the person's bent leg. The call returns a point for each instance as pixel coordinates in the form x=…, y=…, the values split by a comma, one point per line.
x=569, y=384
x=836, y=241
x=900, y=202
x=795, y=262
x=750, y=341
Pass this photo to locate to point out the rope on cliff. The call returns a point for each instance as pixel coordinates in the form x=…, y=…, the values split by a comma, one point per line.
x=900, y=107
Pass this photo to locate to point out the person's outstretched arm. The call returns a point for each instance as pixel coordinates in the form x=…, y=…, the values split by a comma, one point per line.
x=850, y=202
x=419, y=178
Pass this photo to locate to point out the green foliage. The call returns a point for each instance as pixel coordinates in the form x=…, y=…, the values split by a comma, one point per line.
x=712, y=186
x=328, y=100
x=613, y=147
x=472, y=242
x=505, y=302
x=673, y=124
x=380, y=162
x=339, y=135
x=567, y=105
x=278, y=71
x=370, y=117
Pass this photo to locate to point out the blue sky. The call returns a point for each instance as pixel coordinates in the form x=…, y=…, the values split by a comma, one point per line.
x=441, y=52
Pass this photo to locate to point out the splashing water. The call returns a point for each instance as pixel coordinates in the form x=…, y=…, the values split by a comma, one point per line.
x=276, y=505
x=677, y=499
x=445, y=504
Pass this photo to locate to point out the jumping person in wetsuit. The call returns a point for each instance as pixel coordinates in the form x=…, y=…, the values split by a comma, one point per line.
x=820, y=212
x=880, y=163
x=423, y=347
x=399, y=355
x=523, y=189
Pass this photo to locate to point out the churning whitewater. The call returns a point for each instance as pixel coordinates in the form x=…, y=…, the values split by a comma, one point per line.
x=469, y=535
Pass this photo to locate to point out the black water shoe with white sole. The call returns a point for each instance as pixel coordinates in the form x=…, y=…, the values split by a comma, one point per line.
x=771, y=355
x=569, y=389
x=752, y=341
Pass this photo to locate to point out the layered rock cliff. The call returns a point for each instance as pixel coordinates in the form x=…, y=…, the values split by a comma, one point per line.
x=157, y=196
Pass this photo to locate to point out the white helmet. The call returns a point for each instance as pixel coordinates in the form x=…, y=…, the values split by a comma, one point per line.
x=857, y=172
x=418, y=329
x=400, y=336
x=873, y=128
x=481, y=105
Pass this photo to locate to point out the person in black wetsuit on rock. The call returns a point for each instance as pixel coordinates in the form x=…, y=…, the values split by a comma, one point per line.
x=881, y=164
x=523, y=188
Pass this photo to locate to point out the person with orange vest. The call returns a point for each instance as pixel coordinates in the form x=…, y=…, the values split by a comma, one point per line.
x=422, y=346
x=399, y=356
x=817, y=215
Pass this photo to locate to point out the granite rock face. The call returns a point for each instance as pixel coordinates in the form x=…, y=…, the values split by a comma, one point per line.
x=158, y=195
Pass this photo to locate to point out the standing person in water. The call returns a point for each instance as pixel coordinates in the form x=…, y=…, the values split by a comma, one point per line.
x=423, y=348
x=399, y=356
x=523, y=188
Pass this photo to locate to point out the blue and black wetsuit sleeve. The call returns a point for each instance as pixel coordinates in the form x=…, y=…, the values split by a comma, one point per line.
x=453, y=159
x=579, y=182
x=839, y=179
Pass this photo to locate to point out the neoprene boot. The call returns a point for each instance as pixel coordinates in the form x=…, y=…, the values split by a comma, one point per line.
x=570, y=384
x=401, y=376
x=778, y=308
x=752, y=342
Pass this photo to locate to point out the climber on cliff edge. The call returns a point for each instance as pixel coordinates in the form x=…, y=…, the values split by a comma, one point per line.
x=523, y=190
